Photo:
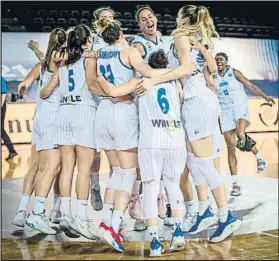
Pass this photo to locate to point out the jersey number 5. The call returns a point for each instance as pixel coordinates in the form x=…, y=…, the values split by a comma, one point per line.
x=71, y=80
x=162, y=100
x=107, y=73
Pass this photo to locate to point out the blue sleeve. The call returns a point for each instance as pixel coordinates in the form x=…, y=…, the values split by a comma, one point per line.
x=3, y=85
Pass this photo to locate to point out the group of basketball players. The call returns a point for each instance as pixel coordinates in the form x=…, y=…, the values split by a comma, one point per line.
x=155, y=115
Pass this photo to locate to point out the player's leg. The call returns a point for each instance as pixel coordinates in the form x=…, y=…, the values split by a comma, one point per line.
x=68, y=161
x=110, y=192
x=230, y=141
x=128, y=164
x=151, y=163
x=96, y=199
x=55, y=213
x=80, y=222
x=49, y=167
x=203, y=150
x=28, y=188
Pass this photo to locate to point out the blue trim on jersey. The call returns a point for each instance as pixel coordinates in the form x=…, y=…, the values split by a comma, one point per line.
x=143, y=36
x=84, y=64
x=235, y=76
x=123, y=63
x=145, y=50
x=100, y=35
x=227, y=69
x=175, y=55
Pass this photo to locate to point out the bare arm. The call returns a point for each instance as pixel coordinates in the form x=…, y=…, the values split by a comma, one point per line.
x=120, y=90
x=3, y=96
x=210, y=83
x=140, y=49
x=182, y=46
x=240, y=77
x=48, y=89
x=91, y=77
x=142, y=67
x=32, y=76
x=34, y=46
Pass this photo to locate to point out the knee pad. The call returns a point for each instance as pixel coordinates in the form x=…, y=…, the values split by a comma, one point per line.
x=128, y=180
x=150, y=202
x=209, y=172
x=115, y=179
x=174, y=193
x=197, y=176
x=247, y=144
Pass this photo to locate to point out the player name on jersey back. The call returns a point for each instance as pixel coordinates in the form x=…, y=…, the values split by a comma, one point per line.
x=160, y=122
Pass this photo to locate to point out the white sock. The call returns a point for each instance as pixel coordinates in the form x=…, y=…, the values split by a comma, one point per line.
x=116, y=220
x=162, y=186
x=107, y=214
x=66, y=206
x=57, y=202
x=190, y=207
x=178, y=221
x=234, y=179
x=259, y=156
x=95, y=183
x=82, y=208
x=153, y=232
x=223, y=214
x=203, y=205
x=39, y=205
x=136, y=188
x=23, y=202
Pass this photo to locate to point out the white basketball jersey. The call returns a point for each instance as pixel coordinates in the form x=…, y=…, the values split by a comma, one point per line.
x=51, y=103
x=194, y=85
x=148, y=45
x=74, y=86
x=110, y=66
x=98, y=42
x=229, y=90
x=159, y=115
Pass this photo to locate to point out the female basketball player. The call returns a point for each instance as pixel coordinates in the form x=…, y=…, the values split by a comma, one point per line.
x=235, y=115
x=148, y=41
x=75, y=134
x=45, y=120
x=199, y=112
x=116, y=127
x=161, y=153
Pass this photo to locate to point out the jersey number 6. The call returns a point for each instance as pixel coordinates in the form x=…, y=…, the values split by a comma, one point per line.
x=162, y=100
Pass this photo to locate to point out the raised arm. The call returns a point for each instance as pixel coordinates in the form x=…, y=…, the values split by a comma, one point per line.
x=91, y=77
x=48, y=89
x=32, y=76
x=34, y=46
x=240, y=77
x=120, y=90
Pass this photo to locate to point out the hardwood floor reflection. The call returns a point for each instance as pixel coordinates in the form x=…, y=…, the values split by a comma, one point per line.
x=245, y=247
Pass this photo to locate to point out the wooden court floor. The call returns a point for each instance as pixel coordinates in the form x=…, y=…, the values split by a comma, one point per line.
x=257, y=207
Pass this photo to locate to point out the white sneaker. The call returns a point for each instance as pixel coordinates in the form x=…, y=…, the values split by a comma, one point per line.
x=140, y=225
x=65, y=220
x=188, y=222
x=39, y=222
x=55, y=216
x=19, y=218
x=83, y=227
x=177, y=242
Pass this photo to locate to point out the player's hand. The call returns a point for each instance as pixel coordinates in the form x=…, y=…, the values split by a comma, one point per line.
x=33, y=45
x=270, y=100
x=21, y=88
x=196, y=44
x=144, y=86
x=90, y=54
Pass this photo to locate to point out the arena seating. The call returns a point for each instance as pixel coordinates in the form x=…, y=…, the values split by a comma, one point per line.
x=230, y=21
